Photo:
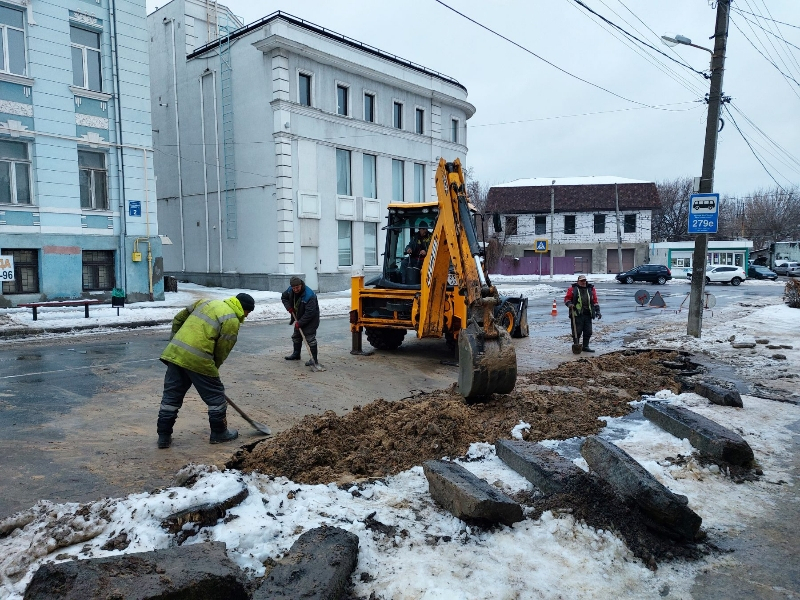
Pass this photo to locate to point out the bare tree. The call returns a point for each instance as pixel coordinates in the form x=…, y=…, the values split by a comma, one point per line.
x=671, y=221
x=476, y=190
x=772, y=216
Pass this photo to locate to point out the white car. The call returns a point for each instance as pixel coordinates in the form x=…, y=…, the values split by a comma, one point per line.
x=723, y=274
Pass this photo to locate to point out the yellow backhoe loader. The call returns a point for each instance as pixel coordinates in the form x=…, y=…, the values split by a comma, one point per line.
x=435, y=285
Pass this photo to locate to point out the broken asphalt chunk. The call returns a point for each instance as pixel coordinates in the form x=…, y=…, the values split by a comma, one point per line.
x=546, y=469
x=709, y=437
x=203, y=515
x=631, y=481
x=718, y=395
x=468, y=497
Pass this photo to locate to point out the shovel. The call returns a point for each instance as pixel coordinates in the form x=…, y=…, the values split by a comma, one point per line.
x=260, y=426
x=315, y=366
x=576, y=347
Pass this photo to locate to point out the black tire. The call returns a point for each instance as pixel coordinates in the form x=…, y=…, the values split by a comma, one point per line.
x=385, y=339
x=629, y=279
x=661, y=280
x=506, y=317
x=736, y=281
x=708, y=280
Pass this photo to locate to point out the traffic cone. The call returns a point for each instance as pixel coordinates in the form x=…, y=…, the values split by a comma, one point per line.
x=554, y=312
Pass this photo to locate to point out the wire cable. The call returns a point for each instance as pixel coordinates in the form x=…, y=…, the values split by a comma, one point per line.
x=758, y=158
x=765, y=18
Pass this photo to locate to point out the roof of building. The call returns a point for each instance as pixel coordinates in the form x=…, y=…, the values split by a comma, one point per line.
x=572, y=194
x=326, y=33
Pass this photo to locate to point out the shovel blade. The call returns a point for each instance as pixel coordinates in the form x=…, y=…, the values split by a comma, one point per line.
x=577, y=348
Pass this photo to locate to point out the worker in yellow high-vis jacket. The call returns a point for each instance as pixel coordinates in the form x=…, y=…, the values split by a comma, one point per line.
x=203, y=335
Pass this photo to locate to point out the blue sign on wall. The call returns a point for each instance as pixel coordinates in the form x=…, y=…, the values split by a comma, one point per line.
x=541, y=246
x=703, y=213
x=135, y=208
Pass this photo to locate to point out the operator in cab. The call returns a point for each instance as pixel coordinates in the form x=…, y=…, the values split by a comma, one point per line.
x=418, y=247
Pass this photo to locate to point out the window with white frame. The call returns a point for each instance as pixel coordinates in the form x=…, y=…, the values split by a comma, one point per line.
x=370, y=244
x=12, y=39
x=304, y=89
x=343, y=183
x=342, y=107
x=397, y=115
x=93, y=179
x=86, y=70
x=15, y=173
x=419, y=182
x=369, y=107
x=370, y=179
x=454, y=130
x=397, y=181
x=419, y=121
x=345, y=243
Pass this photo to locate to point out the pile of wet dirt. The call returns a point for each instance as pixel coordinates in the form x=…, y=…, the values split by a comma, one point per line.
x=384, y=438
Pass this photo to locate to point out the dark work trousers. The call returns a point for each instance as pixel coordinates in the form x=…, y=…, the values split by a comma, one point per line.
x=177, y=382
x=311, y=336
x=583, y=326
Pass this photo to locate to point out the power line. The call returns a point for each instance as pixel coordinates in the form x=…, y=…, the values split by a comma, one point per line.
x=758, y=158
x=532, y=53
x=763, y=45
x=788, y=52
x=781, y=38
x=788, y=154
x=739, y=10
x=770, y=61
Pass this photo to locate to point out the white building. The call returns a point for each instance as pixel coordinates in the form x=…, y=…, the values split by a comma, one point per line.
x=586, y=218
x=678, y=255
x=291, y=142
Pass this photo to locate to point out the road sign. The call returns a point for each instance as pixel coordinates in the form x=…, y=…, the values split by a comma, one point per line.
x=135, y=208
x=6, y=268
x=541, y=246
x=703, y=213
x=642, y=297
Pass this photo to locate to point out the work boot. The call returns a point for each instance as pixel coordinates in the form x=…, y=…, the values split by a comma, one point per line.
x=587, y=349
x=314, y=360
x=296, y=354
x=218, y=437
x=164, y=440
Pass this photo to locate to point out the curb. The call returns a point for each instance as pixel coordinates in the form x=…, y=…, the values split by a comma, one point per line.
x=23, y=332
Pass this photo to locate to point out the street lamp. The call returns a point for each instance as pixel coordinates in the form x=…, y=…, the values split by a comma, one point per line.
x=677, y=39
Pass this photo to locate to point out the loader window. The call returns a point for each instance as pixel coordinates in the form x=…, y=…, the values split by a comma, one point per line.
x=401, y=231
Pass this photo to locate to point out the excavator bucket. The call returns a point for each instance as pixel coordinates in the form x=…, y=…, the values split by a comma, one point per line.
x=485, y=365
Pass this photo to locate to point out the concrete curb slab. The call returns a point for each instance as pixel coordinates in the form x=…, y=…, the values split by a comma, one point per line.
x=632, y=482
x=195, y=572
x=718, y=395
x=546, y=469
x=468, y=497
x=24, y=332
x=706, y=435
x=318, y=567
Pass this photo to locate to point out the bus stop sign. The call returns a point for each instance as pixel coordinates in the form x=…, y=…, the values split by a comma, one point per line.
x=703, y=213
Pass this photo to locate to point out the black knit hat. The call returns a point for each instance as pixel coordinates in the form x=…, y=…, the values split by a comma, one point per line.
x=295, y=281
x=247, y=302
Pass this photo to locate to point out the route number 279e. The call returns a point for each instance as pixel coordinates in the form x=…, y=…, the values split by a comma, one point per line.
x=702, y=223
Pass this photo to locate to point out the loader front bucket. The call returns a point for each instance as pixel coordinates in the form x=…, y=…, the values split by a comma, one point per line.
x=485, y=365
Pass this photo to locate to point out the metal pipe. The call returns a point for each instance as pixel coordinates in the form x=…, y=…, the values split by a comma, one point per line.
x=219, y=174
x=178, y=141
x=147, y=226
x=205, y=172
x=123, y=223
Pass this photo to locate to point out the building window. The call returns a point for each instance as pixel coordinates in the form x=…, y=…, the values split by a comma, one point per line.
x=630, y=223
x=397, y=181
x=419, y=121
x=12, y=38
x=370, y=244
x=26, y=272
x=98, y=270
x=342, y=107
x=86, y=72
x=454, y=130
x=15, y=173
x=419, y=183
x=398, y=115
x=369, y=108
x=94, y=180
x=343, y=187
x=569, y=224
x=304, y=89
x=540, y=225
x=345, y=243
x=511, y=226
x=370, y=180
x=599, y=223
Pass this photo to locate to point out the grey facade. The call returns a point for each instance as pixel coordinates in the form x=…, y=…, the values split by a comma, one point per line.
x=288, y=150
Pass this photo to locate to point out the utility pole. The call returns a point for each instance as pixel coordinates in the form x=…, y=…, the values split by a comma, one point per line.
x=695, y=323
x=619, y=233
x=552, y=224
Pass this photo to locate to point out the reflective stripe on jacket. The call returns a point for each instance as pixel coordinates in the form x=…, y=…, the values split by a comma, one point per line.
x=203, y=335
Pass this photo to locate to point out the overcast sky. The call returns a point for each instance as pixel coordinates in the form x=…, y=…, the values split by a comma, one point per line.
x=526, y=124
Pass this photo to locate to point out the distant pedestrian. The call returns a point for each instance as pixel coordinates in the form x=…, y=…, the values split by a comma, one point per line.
x=301, y=302
x=203, y=336
x=581, y=300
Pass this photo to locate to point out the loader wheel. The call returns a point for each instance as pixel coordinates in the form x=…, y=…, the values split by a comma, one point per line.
x=507, y=317
x=385, y=339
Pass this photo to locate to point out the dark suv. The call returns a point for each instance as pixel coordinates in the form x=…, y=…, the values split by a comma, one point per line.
x=659, y=274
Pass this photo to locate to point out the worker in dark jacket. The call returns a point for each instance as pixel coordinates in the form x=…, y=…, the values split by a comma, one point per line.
x=203, y=335
x=301, y=302
x=581, y=299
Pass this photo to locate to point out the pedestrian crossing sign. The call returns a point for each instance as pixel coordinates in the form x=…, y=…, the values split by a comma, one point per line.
x=541, y=246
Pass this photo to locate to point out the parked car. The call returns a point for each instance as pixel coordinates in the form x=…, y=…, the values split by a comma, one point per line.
x=791, y=269
x=722, y=274
x=659, y=274
x=757, y=272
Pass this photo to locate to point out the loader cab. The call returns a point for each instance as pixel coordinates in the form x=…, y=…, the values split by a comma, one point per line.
x=399, y=271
